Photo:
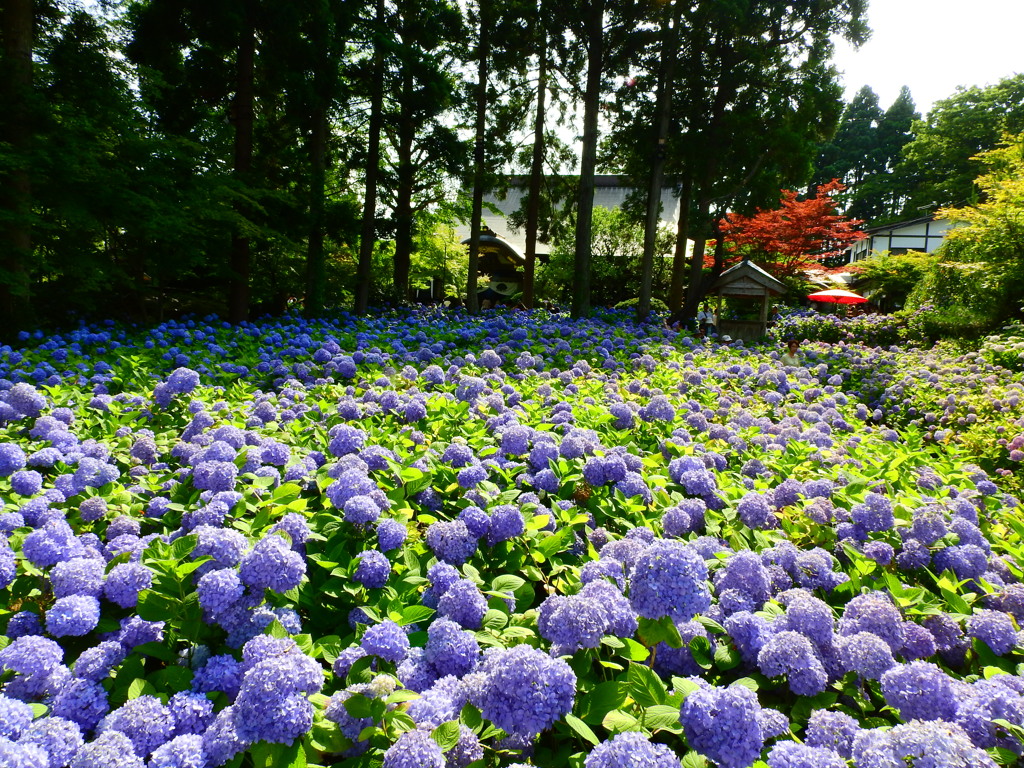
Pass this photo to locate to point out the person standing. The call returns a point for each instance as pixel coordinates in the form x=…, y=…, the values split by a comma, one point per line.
x=706, y=319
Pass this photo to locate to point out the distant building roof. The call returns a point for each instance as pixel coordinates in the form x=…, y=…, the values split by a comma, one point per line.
x=610, y=191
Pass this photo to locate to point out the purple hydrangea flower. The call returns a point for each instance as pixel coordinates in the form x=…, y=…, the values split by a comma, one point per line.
x=919, y=691
x=722, y=724
x=74, y=615
x=524, y=691
x=414, y=749
x=272, y=564
x=386, y=640
x=631, y=749
x=669, y=579
x=373, y=569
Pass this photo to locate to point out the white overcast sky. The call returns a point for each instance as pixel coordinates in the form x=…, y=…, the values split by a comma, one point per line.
x=933, y=46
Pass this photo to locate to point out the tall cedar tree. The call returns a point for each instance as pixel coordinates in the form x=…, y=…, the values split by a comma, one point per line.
x=796, y=235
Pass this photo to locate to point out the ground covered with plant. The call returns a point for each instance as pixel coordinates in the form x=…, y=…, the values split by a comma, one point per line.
x=425, y=539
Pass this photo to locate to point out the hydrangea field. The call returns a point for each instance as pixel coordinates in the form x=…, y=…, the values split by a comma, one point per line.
x=428, y=540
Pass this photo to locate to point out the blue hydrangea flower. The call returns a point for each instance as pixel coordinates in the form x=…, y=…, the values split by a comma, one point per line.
x=451, y=541
x=391, y=534
x=185, y=751
x=386, y=640
x=125, y=581
x=919, y=691
x=192, y=712
x=84, y=702
x=146, y=721
x=59, y=738
x=450, y=650
x=373, y=569
x=866, y=654
x=78, y=576
x=790, y=654
x=788, y=754
x=506, y=523
x=631, y=749
x=754, y=510
x=994, y=628
x=12, y=458
x=109, y=750
x=15, y=717
x=463, y=603
x=874, y=613
x=669, y=579
x=524, y=691
x=97, y=662
x=74, y=615
x=722, y=724
x=414, y=749
x=272, y=564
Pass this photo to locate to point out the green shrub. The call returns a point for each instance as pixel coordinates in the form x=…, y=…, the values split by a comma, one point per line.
x=657, y=305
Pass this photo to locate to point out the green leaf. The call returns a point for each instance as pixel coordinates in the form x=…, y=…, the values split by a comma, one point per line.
x=595, y=704
x=401, y=695
x=661, y=717
x=495, y=619
x=645, y=687
x=618, y=721
x=446, y=735
x=507, y=583
x=140, y=687
x=635, y=651
x=662, y=630
x=182, y=548
x=413, y=614
x=694, y=760
x=581, y=729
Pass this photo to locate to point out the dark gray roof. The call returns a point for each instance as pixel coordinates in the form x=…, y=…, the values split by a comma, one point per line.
x=747, y=271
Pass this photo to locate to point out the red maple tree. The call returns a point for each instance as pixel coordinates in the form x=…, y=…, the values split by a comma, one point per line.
x=796, y=236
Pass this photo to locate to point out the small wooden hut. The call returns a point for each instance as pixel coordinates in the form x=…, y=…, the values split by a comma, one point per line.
x=745, y=281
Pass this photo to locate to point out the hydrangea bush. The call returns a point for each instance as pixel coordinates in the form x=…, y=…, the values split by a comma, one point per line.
x=427, y=539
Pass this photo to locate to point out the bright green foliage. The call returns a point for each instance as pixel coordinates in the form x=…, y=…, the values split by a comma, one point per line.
x=982, y=264
x=889, y=278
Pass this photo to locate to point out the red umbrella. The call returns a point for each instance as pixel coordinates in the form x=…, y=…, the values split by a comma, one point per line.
x=836, y=296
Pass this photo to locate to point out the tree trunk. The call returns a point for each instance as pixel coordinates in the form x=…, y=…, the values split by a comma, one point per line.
x=368, y=234
x=483, y=54
x=403, y=195
x=316, y=273
x=238, y=292
x=695, y=289
x=675, y=295
x=16, y=26
x=536, y=176
x=588, y=159
x=663, y=116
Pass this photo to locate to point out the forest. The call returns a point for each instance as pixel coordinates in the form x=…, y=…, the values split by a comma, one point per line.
x=241, y=157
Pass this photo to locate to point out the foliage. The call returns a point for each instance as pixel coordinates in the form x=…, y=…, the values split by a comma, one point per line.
x=980, y=269
x=887, y=279
x=940, y=166
x=796, y=235
x=864, y=152
x=617, y=244
x=1006, y=347
x=657, y=305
